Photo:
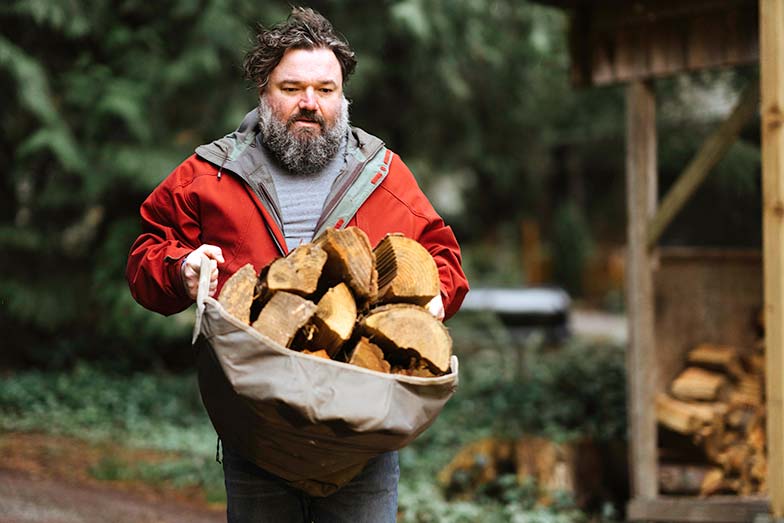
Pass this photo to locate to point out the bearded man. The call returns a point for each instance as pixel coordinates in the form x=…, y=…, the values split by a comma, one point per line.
x=292, y=169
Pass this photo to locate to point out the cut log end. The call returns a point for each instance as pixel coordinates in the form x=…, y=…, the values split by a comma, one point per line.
x=407, y=273
x=407, y=329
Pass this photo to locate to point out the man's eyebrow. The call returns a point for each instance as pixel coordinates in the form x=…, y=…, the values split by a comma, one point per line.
x=300, y=82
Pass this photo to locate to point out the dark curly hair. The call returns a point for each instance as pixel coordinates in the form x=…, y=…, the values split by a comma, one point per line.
x=303, y=29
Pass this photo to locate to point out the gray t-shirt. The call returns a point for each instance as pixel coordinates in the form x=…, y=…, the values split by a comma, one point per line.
x=302, y=197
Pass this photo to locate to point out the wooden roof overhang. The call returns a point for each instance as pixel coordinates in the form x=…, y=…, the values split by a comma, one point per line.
x=621, y=40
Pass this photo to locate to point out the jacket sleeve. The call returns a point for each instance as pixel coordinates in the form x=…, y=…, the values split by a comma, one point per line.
x=170, y=231
x=421, y=222
x=440, y=241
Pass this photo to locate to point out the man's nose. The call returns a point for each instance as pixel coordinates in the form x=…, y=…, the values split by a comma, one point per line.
x=308, y=99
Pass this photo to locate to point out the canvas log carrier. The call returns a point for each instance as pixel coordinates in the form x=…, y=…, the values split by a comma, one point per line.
x=311, y=421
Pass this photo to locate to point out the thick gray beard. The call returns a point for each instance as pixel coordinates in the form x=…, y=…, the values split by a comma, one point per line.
x=303, y=153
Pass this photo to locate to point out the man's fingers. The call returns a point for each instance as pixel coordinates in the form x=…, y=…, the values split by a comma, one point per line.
x=436, y=307
x=191, y=268
x=213, y=252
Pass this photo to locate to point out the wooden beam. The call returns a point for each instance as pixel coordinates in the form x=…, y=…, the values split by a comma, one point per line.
x=771, y=19
x=641, y=363
x=719, y=509
x=709, y=154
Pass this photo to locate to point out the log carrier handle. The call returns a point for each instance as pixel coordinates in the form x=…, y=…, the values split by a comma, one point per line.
x=201, y=294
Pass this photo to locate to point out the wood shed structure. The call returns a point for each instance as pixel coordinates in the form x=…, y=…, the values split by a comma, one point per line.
x=634, y=42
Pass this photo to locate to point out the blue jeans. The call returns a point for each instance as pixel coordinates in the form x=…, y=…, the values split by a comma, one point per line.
x=255, y=496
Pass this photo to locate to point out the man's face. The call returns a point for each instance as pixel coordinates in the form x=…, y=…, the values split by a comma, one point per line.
x=305, y=91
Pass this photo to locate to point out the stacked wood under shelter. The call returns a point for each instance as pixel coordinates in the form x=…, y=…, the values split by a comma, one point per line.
x=712, y=421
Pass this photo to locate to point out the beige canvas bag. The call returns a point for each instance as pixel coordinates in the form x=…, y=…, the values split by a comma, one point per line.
x=311, y=421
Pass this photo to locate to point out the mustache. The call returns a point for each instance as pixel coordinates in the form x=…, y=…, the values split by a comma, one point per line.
x=309, y=116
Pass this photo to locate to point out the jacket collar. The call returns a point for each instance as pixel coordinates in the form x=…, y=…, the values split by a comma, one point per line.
x=237, y=152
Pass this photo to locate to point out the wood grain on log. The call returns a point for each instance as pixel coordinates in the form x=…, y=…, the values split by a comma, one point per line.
x=299, y=272
x=720, y=357
x=321, y=353
x=237, y=293
x=407, y=273
x=695, y=383
x=334, y=320
x=350, y=260
x=680, y=416
x=408, y=328
x=283, y=315
x=369, y=355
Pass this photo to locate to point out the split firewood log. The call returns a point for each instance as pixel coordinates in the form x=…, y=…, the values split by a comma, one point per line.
x=713, y=482
x=414, y=367
x=711, y=437
x=299, y=272
x=237, y=293
x=682, y=417
x=283, y=315
x=321, y=353
x=740, y=417
x=404, y=331
x=756, y=363
x=407, y=273
x=749, y=390
x=350, y=260
x=369, y=355
x=695, y=383
x=724, y=358
x=734, y=457
x=334, y=319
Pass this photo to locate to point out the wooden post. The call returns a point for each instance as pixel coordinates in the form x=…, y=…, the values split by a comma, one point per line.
x=641, y=364
x=771, y=15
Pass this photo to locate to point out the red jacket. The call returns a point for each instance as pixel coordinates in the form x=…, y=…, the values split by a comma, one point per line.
x=211, y=202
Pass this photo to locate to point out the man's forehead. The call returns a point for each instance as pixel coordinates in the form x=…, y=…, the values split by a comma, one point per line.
x=308, y=65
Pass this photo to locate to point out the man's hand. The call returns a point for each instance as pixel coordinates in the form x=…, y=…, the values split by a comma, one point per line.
x=436, y=307
x=191, y=267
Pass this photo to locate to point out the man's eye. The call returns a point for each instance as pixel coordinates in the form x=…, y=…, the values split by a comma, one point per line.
x=289, y=89
x=326, y=90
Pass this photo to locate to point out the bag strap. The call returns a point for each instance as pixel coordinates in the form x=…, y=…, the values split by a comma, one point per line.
x=373, y=173
x=201, y=295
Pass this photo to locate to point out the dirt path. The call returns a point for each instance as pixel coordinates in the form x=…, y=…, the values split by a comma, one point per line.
x=46, y=479
x=27, y=500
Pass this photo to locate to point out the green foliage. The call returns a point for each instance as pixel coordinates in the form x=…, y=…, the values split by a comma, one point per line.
x=571, y=246
x=100, y=109
x=154, y=410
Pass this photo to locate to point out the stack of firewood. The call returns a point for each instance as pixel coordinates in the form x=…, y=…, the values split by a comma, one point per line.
x=716, y=404
x=339, y=299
